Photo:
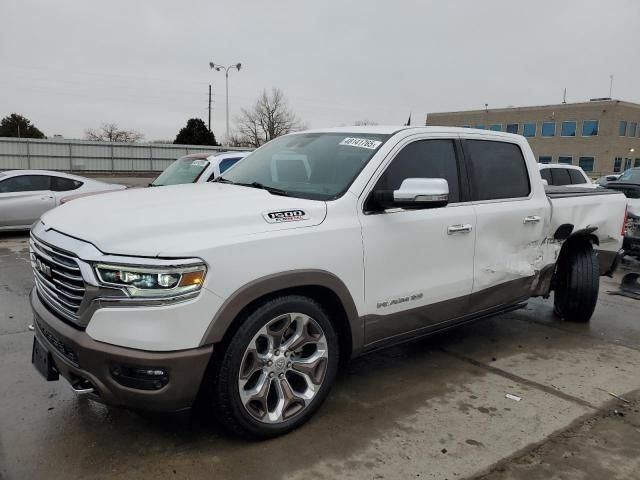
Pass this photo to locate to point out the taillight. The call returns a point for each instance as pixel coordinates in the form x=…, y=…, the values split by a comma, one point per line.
x=624, y=222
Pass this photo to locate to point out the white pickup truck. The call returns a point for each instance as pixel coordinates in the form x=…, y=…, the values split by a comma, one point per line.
x=317, y=247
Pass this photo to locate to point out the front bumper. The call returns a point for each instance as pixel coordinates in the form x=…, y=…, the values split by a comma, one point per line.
x=83, y=361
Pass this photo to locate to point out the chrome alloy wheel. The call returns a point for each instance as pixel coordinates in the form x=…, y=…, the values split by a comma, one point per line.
x=283, y=368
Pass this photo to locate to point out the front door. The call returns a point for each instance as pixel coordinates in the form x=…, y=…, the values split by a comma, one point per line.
x=23, y=199
x=418, y=263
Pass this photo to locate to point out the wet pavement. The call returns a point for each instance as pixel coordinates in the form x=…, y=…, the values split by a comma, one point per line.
x=435, y=408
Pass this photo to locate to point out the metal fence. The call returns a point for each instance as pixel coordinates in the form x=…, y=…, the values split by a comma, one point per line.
x=85, y=156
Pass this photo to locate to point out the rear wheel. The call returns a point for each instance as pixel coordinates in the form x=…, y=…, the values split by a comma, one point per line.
x=576, y=284
x=277, y=369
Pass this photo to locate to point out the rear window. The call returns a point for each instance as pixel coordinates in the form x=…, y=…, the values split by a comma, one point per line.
x=498, y=170
x=59, y=184
x=577, y=177
x=560, y=176
x=546, y=175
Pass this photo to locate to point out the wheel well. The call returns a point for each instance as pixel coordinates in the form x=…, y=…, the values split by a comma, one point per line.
x=324, y=296
x=575, y=241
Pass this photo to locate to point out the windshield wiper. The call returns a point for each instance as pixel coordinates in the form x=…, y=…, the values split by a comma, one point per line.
x=262, y=186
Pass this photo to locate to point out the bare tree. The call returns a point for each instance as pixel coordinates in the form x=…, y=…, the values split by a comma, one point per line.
x=109, y=132
x=363, y=123
x=269, y=118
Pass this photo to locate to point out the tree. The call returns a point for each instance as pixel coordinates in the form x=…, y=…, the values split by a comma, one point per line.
x=269, y=118
x=16, y=125
x=195, y=133
x=109, y=132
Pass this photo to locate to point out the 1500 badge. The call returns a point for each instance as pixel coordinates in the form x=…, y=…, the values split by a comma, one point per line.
x=283, y=216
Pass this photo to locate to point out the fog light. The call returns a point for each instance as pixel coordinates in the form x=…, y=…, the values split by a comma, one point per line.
x=140, y=378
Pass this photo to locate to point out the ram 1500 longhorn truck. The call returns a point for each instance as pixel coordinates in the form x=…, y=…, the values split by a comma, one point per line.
x=317, y=247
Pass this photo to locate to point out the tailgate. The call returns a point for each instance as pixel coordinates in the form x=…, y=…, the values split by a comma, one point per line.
x=588, y=208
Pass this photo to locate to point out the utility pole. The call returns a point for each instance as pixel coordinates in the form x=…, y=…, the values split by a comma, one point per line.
x=209, y=107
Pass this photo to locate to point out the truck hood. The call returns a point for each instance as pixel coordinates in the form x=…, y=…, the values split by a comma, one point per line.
x=174, y=220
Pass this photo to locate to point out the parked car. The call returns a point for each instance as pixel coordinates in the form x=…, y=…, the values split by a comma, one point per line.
x=560, y=174
x=198, y=168
x=318, y=247
x=629, y=184
x=26, y=194
x=605, y=179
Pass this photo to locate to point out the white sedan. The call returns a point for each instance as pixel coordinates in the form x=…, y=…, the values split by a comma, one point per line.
x=26, y=194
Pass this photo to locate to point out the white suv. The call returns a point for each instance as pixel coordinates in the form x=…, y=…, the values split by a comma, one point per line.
x=562, y=175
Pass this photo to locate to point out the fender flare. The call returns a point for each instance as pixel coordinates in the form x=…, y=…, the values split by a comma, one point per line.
x=256, y=289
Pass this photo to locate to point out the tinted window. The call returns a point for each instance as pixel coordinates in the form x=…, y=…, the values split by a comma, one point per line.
x=589, y=128
x=548, y=129
x=227, y=163
x=496, y=127
x=586, y=163
x=59, y=184
x=560, y=176
x=627, y=163
x=498, y=170
x=480, y=127
x=622, y=128
x=636, y=162
x=529, y=130
x=544, y=159
x=424, y=159
x=512, y=127
x=632, y=129
x=565, y=159
x=576, y=177
x=568, y=129
x=546, y=175
x=25, y=183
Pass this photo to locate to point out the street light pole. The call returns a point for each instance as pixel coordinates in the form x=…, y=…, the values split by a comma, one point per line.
x=218, y=68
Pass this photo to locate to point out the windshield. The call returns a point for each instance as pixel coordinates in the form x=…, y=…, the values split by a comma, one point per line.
x=631, y=175
x=318, y=166
x=183, y=170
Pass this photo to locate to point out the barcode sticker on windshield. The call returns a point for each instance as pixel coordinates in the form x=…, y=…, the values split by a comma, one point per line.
x=199, y=163
x=361, y=143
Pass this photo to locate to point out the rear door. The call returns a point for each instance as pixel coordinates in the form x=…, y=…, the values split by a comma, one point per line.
x=23, y=199
x=418, y=263
x=510, y=221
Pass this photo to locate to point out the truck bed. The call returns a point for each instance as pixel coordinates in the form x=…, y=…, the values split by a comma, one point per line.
x=585, y=208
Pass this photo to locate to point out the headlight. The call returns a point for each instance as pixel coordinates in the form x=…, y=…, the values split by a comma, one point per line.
x=153, y=281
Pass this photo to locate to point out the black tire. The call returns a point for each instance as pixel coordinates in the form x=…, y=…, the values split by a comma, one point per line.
x=577, y=284
x=225, y=395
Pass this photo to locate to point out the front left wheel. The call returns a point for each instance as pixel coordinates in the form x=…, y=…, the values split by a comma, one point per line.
x=277, y=369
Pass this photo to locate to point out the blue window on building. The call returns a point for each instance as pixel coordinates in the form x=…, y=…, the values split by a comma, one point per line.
x=636, y=163
x=627, y=164
x=548, y=129
x=496, y=127
x=617, y=164
x=568, y=129
x=567, y=160
x=590, y=128
x=586, y=163
x=622, y=128
x=544, y=159
x=529, y=129
x=480, y=126
x=512, y=127
x=632, y=129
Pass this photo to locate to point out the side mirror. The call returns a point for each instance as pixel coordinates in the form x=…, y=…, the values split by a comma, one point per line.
x=415, y=193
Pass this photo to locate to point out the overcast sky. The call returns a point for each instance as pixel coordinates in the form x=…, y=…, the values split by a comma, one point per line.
x=72, y=64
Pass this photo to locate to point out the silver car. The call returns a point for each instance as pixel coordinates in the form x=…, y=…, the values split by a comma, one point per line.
x=27, y=194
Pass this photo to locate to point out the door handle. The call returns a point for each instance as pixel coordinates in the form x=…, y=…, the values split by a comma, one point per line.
x=532, y=219
x=453, y=229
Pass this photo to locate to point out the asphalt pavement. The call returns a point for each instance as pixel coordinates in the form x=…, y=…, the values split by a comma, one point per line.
x=434, y=408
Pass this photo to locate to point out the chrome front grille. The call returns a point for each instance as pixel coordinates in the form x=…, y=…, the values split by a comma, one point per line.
x=58, y=279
